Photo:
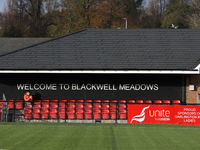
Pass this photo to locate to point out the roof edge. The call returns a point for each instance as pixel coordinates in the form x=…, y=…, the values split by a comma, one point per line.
x=104, y=71
x=43, y=42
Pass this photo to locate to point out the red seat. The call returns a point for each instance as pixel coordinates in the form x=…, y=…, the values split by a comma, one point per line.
x=97, y=114
x=113, y=115
x=18, y=104
x=79, y=114
x=105, y=101
x=113, y=106
x=105, y=106
x=53, y=113
x=88, y=115
x=62, y=110
x=27, y=116
x=54, y=105
x=72, y=101
x=10, y=104
x=122, y=106
x=122, y=101
x=79, y=106
x=28, y=113
x=79, y=101
x=147, y=101
x=53, y=110
x=166, y=102
x=37, y=102
x=157, y=102
x=45, y=100
x=55, y=101
x=177, y=102
x=45, y=105
x=139, y=101
x=88, y=110
x=71, y=114
x=28, y=107
x=88, y=106
x=71, y=106
x=113, y=101
x=97, y=101
x=122, y=111
x=96, y=105
x=105, y=114
x=45, y=113
x=36, y=110
x=63, y=104
x=131, y=101
x=36, y=106
x=62, y=115
x=88, y=101
x=122, y=114
x=36, y=115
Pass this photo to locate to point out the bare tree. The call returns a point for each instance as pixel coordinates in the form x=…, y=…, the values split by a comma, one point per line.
x=51, y=5
x=194, y=16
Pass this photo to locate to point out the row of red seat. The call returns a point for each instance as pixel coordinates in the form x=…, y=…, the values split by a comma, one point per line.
x=80, y=109
x=19, y=103
x=72, y=109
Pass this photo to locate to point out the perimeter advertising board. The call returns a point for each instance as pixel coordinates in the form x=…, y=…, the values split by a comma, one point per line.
x=164, y=114
x=93, y=86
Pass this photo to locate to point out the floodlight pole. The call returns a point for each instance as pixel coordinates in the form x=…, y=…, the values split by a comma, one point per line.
x=125, y=22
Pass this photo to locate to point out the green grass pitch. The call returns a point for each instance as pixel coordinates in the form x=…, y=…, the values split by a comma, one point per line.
x=68, y=136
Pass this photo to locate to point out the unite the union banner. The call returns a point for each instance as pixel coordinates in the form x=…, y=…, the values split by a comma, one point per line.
x=164, y=114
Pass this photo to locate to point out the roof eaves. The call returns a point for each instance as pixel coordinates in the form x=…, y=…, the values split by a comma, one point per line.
x=105, y=71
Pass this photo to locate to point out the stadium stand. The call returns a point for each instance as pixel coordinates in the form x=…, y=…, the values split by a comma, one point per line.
x=79, y=109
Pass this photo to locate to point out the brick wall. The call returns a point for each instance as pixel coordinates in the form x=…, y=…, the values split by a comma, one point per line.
x=191, y=96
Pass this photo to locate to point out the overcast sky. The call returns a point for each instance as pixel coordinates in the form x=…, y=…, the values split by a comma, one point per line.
x=1, y=5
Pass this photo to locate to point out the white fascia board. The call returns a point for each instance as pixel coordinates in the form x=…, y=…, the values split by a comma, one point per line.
x=105, y=71
x=197, y=67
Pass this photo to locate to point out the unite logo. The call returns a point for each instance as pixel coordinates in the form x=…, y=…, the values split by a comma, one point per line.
x=140, y=118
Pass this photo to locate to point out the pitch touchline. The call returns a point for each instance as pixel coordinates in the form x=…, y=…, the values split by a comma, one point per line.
x=98, y=127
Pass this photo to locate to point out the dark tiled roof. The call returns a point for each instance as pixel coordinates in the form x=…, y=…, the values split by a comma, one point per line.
x=11, y=44
x=111, y=49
